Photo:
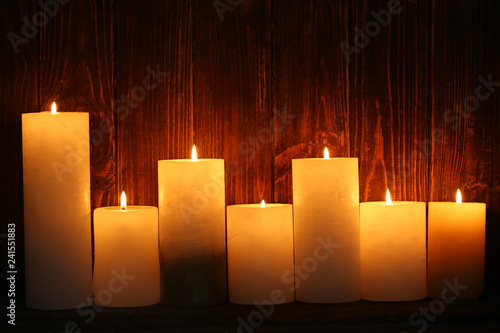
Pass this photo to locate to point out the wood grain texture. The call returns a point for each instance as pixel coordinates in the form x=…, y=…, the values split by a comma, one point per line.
x=310, y=85
x=466, y=112
x=388, y=94
x=232, y=100
x=157, y=122
x=18, y=94
x=226, y=78
x=76, y=71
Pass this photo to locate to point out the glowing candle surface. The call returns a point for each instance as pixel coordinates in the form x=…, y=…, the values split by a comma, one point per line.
x=456, y=248
x=260, y=252
x=192, y=231
x=393, y=251
x=126, y=268
x=326, y=211
x=56, y=180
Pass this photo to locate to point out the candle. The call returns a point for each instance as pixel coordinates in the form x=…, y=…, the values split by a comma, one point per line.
x=126, y=267
x=393, y=250
x=326, y=214
x=192, y=231
x=456, y=240
x=56, y=180
x=259, y=252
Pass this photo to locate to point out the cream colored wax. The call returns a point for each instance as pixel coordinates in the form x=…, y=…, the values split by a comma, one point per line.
x=126, y=267
x=456, y=250
x=56, y=179
x=326, y=229
x=260, y=252
x=393, y=251
x=192, y=232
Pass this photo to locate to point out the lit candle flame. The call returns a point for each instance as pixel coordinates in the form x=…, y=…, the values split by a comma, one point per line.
x=54, y=108
x=326, y=154
x=123, y=201
x=262, y=204
x=459, y=197
x=194, y=156
x=388, y=200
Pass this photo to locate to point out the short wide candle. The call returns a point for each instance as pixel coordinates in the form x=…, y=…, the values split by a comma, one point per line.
x=393, y=251
x=456, y=240
x=326, y=229
x=192, y=231
x=56, y=177
x=260, y=253
x=127, y=267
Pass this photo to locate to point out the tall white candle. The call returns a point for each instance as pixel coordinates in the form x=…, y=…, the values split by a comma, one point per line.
x=260, y=252
x=126, y=265
x=192, y=232
x=56, y=179
x=393, y=250
x=456, y=249
x=326, y=211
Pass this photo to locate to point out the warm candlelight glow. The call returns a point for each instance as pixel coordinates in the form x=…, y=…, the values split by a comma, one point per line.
x=194, y=156
x=327, y=155
x=54, y=108
x=459, y=196
x=123, y=201
x=388, y=197
x=262, y=203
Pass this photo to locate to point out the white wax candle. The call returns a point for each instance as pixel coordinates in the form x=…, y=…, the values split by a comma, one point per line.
x=326, y=214
x=126, y=267
x=56, y=179
x=393, y=251
x=260, y=252
x=192, y=232
x=456, y=240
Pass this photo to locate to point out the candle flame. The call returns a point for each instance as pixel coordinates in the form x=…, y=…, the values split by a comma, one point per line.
x=54, y=108
x=263, y=203
x=459, y=197
x=194, y=156
x=388, y=200
x=326, y=154
x=123, y=201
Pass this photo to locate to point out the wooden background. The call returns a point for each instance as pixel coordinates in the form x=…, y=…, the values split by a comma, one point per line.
x=228, y=77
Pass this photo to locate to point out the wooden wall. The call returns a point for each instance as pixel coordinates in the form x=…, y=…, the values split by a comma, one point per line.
x=263, y=85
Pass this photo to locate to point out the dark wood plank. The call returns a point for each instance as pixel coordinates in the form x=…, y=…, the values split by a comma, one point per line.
x=310, y=85
x=360, y=317
x=465, y=51
x=157, y=122
x=232, y=101
x=388, y=98
x=76, y=71
x=18, y=94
